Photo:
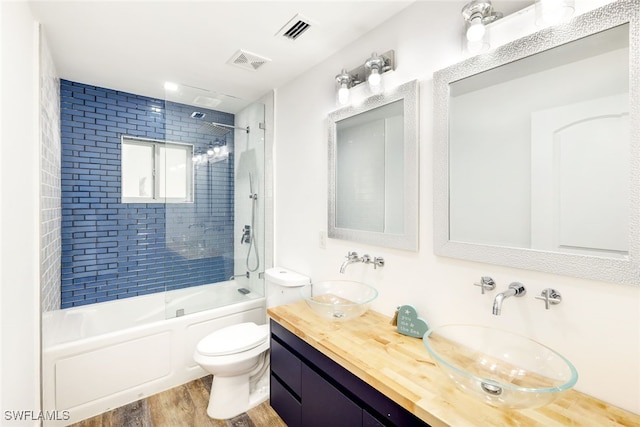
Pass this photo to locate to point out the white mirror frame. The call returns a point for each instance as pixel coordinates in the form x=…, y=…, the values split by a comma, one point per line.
x=408, y=240
x=626, y=270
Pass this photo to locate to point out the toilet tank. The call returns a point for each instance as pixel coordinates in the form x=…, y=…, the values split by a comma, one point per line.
x=283, y=286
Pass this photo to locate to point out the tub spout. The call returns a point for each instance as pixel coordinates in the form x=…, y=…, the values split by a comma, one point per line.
x=240, y=275
x=515, y=289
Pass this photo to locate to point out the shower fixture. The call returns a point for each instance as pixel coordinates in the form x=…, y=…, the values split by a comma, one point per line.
x=246, y=235
x=220, y=129
x=477, y=15
x=370, y=71
x=250, y=230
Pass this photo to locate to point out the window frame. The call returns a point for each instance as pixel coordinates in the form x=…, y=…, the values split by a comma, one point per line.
x=157, y=167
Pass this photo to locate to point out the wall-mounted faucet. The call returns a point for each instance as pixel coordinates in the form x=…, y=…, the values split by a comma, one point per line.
x=246, y=235
x=515, y=289
x=486, y=284
x=352, y=257
x=550, y=297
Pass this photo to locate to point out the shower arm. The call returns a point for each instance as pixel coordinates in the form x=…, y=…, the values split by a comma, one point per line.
x=214, y=124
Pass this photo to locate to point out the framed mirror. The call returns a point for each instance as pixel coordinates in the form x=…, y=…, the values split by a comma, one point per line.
x=373, y=170
x=537, y=151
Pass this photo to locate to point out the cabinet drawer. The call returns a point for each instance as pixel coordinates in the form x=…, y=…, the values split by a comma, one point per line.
x=285, y=404
x=325, y=405
x=286, y=366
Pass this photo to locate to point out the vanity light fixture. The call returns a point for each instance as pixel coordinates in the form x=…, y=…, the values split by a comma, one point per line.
x=374, y=67
x=371, y=71
x=344, y=81
x=551, y=12
x=477, y=15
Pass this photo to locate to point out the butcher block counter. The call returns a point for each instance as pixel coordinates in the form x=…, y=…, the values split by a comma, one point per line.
x=400, y=368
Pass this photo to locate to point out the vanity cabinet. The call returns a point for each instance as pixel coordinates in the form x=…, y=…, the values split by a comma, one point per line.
x=309, y=389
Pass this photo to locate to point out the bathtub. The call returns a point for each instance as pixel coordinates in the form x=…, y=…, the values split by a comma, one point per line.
x=98, y=357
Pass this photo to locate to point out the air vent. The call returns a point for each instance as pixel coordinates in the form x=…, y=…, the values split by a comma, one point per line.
x=294, y=28
x=247, y=60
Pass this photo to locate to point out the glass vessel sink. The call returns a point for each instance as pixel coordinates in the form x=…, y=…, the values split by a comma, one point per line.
x=498, y=367
x=338, y=300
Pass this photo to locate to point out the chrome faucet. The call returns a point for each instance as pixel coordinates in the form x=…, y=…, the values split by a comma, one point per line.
x=352, y=257
x=246, y=234
x=515, y=289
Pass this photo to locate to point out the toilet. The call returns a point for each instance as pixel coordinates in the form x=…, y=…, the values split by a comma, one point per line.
x=238, y=355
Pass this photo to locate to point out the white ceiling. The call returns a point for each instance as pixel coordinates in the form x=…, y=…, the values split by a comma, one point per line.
x=135, y=46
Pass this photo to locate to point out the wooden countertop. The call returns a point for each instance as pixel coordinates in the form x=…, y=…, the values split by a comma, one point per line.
x=401, y=368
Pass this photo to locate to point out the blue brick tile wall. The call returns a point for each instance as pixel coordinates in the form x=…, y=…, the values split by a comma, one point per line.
x=114, y=250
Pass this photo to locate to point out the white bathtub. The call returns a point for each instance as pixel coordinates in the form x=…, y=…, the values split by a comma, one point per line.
x=102, y=356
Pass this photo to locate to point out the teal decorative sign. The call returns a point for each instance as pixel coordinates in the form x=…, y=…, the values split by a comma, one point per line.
x=409, y=323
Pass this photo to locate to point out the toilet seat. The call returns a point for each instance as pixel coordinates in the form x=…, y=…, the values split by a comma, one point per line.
x=233, y=339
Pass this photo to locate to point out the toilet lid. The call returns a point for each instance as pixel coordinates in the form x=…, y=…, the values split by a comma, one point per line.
x=233, y=339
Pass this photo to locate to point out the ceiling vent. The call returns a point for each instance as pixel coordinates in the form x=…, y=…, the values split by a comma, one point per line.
x=247, y=60
x=206, y=101
x=294, y=28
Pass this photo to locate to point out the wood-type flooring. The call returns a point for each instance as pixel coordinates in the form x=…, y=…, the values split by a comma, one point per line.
x=182, y=406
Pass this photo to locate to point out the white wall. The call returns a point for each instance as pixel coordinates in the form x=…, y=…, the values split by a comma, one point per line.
x=597, y=326
x=19, y=215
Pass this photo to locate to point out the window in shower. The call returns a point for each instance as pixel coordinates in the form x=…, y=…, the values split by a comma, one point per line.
x=156, y=171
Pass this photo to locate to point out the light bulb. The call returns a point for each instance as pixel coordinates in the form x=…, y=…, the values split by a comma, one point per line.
x=476, y=30
x=210, y=151
x=343, y=94
x=216, y=149
x=374, y=78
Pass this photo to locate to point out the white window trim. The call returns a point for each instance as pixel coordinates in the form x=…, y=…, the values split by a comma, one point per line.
x=154, y=143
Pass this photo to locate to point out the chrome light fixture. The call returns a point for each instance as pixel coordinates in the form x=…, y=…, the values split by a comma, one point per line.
x=371, y=71
x=551, y=12
x=374, y=67
x=344, y=81
x=477, y=15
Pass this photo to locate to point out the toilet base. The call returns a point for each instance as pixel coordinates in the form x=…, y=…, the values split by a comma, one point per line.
x=231, y=396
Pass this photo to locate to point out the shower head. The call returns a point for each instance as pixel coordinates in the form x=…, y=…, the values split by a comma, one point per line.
x=220, y=129
x=215, y=129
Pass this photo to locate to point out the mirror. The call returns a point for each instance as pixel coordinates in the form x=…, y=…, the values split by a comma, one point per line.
x=537, y=151
x=373, y=170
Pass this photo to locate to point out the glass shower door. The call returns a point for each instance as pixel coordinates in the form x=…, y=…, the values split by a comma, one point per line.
x=215, y=241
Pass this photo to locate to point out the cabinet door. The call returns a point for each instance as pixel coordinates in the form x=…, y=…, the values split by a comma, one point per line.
x=324, y=405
